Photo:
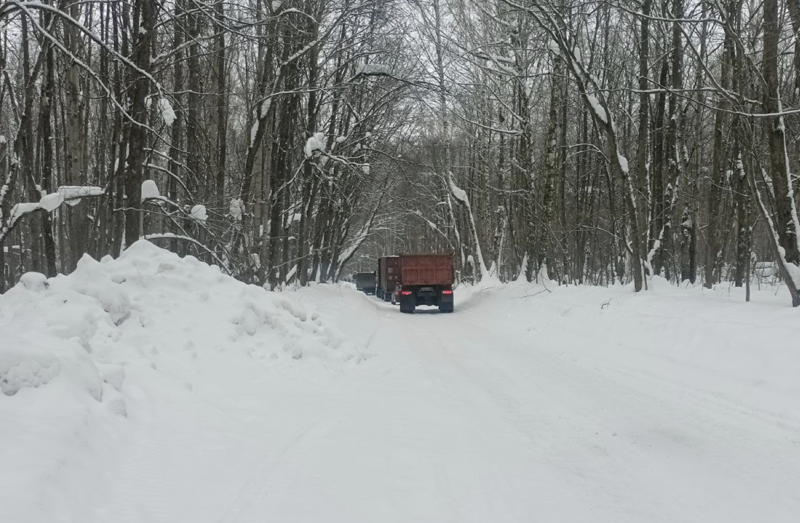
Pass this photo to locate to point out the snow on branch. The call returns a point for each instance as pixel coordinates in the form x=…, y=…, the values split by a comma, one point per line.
x=597, y=108
x=167, y=112
x=373, y=70
x=199, y=213
x=70, y=194
x=503, y=65
x=316, y=143
x=150, y=190
x=461, y=195
x=458, y=193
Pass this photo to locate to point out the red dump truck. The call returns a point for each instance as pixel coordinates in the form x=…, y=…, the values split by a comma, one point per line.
x=388, y=276
x=426, y=279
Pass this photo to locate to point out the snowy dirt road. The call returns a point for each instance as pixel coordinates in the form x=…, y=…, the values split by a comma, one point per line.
x=234, y=405
x=462, y=418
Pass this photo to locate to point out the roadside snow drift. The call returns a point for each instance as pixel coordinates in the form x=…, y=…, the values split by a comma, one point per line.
x=69, y=345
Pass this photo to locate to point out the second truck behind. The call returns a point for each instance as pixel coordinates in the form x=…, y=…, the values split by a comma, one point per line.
x=388, y=276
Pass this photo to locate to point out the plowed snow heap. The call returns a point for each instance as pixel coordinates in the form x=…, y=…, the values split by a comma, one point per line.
x=78, y=332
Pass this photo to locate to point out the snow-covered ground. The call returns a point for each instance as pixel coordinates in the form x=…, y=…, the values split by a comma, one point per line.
x=151, y=389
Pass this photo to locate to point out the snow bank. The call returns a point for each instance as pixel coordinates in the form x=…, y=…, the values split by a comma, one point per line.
x=78, y=351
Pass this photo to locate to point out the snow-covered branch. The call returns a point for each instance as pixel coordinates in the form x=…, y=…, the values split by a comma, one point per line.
x=69, y=194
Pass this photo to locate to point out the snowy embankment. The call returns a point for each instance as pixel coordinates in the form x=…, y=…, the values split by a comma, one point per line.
x=89, y=359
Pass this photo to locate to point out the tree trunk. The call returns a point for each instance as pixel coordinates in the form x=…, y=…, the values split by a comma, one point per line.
x=48, y=95
x=786, y=221
x=176, y=135
x=718, y=169
x=74, y=136
x=222, y=105
x=657, y=194
x=674, y=150
x=145, y=15
x=309, y=180
x=544, y=244
x=643, y=140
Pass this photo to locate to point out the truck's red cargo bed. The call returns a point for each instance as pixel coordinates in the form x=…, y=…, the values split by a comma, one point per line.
x=426, y=269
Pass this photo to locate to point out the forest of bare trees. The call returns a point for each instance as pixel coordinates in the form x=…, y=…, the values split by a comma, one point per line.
x=602, y=142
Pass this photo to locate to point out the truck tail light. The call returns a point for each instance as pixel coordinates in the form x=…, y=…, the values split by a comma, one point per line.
x=405, y=293
x=447, y=291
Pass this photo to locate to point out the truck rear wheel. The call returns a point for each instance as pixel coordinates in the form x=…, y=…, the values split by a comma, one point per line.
x=445, y=307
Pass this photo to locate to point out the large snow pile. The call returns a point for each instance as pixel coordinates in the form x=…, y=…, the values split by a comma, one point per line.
x=78, y=351
x=148, y=299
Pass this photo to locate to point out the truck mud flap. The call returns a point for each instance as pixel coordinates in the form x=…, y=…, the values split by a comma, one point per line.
x=407, y=304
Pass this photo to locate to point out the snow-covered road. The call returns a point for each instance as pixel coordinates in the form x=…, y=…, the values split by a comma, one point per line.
x=464, y=418
x=582, y=405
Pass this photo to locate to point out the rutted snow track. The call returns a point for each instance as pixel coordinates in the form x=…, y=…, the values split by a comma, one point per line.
x=516, y=408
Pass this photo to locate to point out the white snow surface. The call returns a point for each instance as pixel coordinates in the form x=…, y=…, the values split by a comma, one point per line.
x=154, y=388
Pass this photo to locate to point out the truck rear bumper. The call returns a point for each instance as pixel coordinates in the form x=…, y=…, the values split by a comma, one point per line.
x=437, y=296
